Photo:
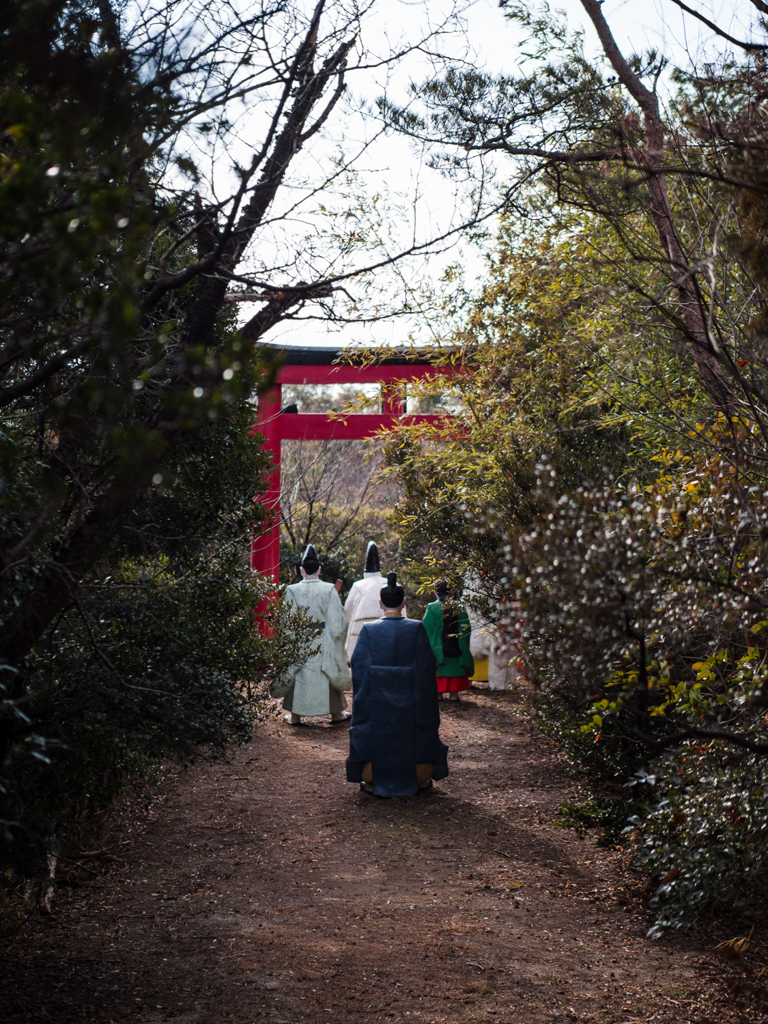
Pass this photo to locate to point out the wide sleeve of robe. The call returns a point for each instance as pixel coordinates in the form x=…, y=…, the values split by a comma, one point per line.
x=465, y=635
x=354, y=597
x=353, y=600
x=334, y=661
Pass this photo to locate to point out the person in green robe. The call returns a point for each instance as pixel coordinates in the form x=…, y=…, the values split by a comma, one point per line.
x=448, y=628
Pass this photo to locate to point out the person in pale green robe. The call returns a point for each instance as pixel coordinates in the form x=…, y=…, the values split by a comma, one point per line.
x=318, y=684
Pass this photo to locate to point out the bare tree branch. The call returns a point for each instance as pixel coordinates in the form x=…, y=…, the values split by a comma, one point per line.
x=749, y=47
x=650, y=162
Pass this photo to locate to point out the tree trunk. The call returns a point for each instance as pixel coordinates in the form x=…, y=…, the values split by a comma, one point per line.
x=650, y=163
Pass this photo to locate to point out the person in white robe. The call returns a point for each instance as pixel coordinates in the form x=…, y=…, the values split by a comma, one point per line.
x=489, y=641
x=502, y=662
x=503, y=666
x=362, y=604
x=317, y=685
x=480, y=640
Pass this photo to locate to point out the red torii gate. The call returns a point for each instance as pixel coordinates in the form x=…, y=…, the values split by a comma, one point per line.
x=322, y=366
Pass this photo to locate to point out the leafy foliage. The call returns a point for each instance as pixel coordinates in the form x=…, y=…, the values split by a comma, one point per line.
x=610, y=477
x=155, y=655
x=522, y=357
x=127, y=471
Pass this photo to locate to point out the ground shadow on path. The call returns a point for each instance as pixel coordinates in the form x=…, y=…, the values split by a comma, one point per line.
x=269, y=889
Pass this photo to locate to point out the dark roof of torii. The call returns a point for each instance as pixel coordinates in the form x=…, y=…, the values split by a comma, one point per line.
x=294, y=356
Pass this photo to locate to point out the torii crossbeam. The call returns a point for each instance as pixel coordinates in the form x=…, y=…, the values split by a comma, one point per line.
x=324, y=366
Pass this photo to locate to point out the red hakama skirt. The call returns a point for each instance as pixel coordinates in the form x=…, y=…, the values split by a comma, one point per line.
x=452, y=684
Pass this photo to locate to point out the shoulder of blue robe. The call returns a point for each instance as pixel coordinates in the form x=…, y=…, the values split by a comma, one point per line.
x=391, y=641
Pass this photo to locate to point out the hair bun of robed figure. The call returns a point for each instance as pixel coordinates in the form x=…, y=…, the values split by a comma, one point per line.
x=393, y=595
x=310, y=563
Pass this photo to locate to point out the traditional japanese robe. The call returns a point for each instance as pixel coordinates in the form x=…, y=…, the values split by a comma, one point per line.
x=454, y=662
x=395, y=713
x=495, y=655
x=502, y=662
x=503, y=672
x=317, y=684
x=481, y=637
x=480, y=640
x=361, y=606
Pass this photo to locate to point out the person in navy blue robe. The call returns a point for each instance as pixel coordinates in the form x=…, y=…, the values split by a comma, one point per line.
x=394, y=744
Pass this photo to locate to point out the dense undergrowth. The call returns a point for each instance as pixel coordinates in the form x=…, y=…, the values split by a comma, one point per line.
x=604, y=498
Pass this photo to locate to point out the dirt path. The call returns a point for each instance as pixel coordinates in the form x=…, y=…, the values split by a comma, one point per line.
x=269, y=889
